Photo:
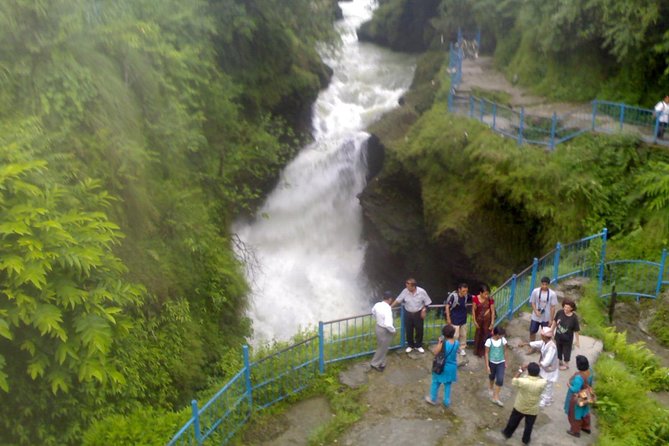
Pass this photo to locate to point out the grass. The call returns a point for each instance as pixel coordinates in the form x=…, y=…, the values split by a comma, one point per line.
x=625, y=375
x=497, y=96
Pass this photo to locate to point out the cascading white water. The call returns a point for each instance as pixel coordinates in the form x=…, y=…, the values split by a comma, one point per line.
x=308, y=239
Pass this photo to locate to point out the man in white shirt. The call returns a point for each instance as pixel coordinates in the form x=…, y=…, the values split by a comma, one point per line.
x=384, y=330
x=416, y=301
x=549, y=364
x=662, y=115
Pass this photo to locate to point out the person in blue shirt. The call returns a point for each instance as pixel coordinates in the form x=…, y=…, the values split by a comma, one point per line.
x=449, y=375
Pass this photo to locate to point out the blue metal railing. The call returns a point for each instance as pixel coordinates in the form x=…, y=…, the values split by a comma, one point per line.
x=549, y=131
x=270, y=379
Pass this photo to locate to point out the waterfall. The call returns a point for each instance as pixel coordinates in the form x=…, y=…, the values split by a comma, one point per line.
x=307, y=236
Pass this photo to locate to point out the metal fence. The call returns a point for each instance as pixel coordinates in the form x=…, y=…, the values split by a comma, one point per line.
x=274, y=377
x=519, y=125
x=612, y=117
x=547, y=130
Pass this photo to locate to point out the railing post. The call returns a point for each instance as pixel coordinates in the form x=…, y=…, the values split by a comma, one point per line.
x=450, y=99
x=656, y=128
x=321, y=347
x=247, y=374
x=494, y=115
x=478, y=40
x=482, y=105
x=196, y=421
x=622, y=116
x=594, y=114
x=521, y=125
x=556, y=262
x=512, y=296
x=660, y=276
x=402, y=328
x=471, y=106
x=553, y=125
x=602, y=263
x=461, y=55
x=535, y=270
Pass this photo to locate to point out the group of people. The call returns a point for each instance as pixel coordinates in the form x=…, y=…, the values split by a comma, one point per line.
x=558, y=329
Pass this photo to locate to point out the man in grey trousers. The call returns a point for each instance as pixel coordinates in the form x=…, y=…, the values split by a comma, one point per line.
x=384, y=330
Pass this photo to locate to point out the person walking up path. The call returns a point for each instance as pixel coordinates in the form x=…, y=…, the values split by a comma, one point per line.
x=567, y=330
x=544, y=303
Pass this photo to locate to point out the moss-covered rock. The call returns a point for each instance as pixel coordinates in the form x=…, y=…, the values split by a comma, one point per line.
x=402, y=25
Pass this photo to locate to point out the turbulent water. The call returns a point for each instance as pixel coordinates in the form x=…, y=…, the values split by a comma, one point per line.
x=307, y=239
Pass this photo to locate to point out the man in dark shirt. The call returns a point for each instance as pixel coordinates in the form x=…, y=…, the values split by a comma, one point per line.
x=456, y=313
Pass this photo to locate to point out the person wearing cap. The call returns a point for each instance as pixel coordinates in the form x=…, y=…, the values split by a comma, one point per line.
x=548, y=362
x=385, y=330
x=544, y=303
x=416, y=301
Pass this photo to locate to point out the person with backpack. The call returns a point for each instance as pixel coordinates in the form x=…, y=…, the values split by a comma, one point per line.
x=456, y=314
x=495, y=360
x=448, y=347
x=578, y=415
x=661, y=113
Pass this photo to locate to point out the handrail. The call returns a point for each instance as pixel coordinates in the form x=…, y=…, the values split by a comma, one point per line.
x=602, y=117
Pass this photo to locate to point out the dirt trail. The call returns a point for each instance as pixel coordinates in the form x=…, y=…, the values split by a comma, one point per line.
x=480, y=73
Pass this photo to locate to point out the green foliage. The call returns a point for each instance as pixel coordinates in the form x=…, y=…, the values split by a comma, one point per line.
x=129, y=141
x=659, y=324
x=625, y=374
x=575, y=50
x=496, y=96
x=145, y=426
x=626, y=415
x=63, y=293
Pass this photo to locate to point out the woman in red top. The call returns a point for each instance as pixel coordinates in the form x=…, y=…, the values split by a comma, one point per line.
x=483, y=315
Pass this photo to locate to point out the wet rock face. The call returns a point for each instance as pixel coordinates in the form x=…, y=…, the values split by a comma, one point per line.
x=398, y=245
x=411, y=32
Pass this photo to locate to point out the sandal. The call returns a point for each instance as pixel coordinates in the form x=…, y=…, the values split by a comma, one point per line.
x=564, y=367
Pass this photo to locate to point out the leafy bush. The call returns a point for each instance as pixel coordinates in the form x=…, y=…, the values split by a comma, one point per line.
x=146, y=426
x=626, y=415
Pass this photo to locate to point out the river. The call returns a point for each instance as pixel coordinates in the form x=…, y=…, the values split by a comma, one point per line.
x=307, y=238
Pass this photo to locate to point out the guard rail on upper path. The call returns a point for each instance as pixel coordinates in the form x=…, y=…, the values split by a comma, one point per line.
x=264, y=381
x=600, y=116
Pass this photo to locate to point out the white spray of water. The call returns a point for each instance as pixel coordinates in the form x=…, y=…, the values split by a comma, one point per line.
x=308, y=241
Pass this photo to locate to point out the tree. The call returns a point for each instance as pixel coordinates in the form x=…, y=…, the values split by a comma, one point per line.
x=62, y=294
